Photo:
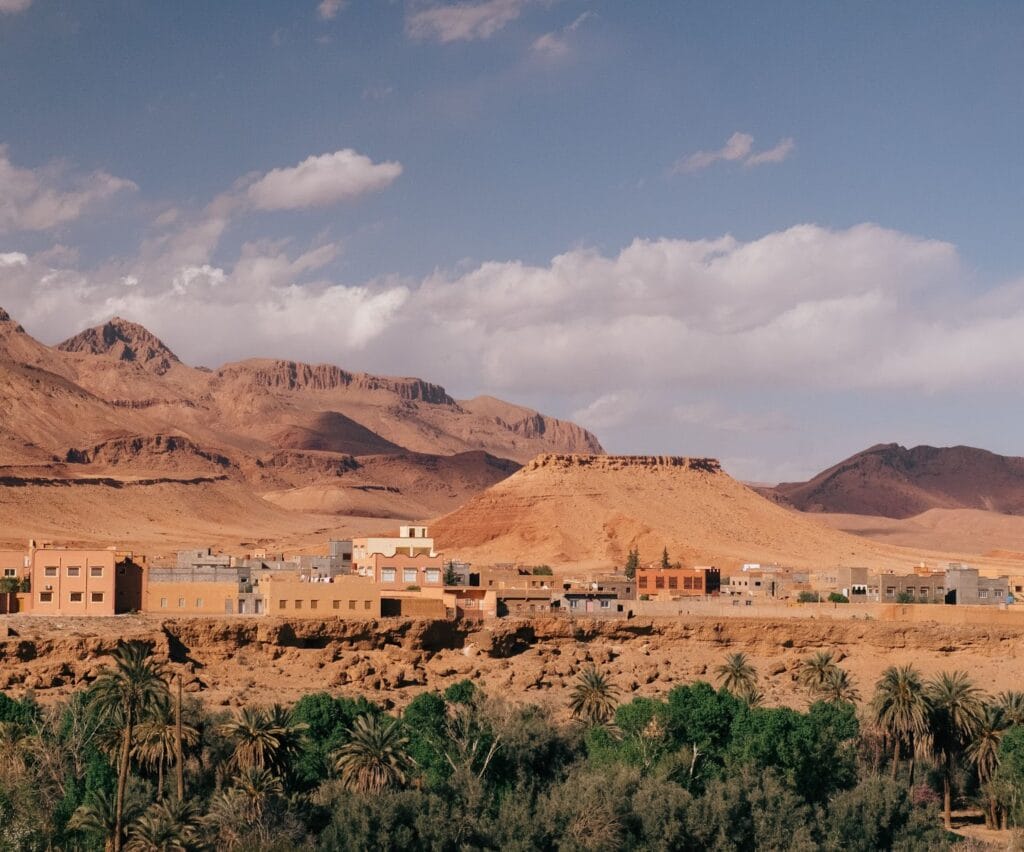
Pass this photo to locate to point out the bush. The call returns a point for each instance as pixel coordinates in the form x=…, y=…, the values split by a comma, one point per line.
x=835, y=597
x=808, y=597
x=543, y=570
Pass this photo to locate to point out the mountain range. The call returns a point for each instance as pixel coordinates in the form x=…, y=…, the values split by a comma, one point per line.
x=113, y=410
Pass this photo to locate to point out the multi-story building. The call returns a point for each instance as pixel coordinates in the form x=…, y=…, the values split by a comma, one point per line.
x=408, y=559
x=66, y=581
x=672, y=583
x=956, y=584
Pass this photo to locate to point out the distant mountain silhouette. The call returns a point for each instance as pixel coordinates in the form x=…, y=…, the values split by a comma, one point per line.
x=895, y=482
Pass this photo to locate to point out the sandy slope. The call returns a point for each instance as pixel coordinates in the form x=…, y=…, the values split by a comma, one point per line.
x=587, y=511
x=973, y=531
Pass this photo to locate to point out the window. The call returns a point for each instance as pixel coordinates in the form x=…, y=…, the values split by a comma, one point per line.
x=659, y=582
x=199, y=603
x=74, y=570
x=433, y=575
x=924, y=591
x=95, y=570
x=313, y=603
x=75, y=597
x=163, y=603
x=46, y=597
x=50, y=571
x=181, y=603
x=890, y=591
x=96, y=597
x=13, y=572
x=366, y=604
x=351, y=604
x=982, y=593
x=337, y=604
x=673, y=582
x=282, y=604
x=687, y=582
x=409, y=575
x=573, y=604
x=641, y=582
x=604, y=603
x=298, y=604
x=387, y=575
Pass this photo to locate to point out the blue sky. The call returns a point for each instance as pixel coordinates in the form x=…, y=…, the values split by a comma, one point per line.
x=776, y=233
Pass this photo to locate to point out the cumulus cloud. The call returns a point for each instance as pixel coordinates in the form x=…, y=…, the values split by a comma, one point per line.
x=40, y=199
x=322, y=180
x=738, y=147
x=10, y=7
x=463, y=21
x=665, y=334
x=328, y=9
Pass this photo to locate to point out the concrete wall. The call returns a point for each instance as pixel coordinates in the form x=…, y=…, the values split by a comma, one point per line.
x=188, y=598
x=345, y=596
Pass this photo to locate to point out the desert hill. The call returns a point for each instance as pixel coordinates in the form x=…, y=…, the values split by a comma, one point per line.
x=891, y=481
x=588, y=511
x=114, y=405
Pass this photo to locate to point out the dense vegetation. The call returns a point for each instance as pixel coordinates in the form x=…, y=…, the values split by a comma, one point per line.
x=125, y=765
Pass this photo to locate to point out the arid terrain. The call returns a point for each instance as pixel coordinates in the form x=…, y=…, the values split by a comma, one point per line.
x=891, y=481
x=109, y=437
x=585, y=511
x=233, y=661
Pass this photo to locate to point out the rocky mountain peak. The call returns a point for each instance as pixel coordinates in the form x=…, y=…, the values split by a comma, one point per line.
x=125, y=341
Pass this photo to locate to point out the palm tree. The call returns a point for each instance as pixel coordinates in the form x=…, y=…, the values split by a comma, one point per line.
x=157, y=742
x=594, y=697
x=737, y=675
x=290, y=733
x=837, y=687
x=899, y=710
x=983, y=750
x=815, y=670
x=130, y=689
x=955, y=711
x=1012, y=705
x=255, y=740
x=376, y=757
x=97, y=815
x=166, y=828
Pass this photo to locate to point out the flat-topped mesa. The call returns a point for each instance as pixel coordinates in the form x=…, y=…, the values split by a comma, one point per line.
x=295, y=375
x=286, y=375
x=414, y=390
x=602, y=462
x=125, y=341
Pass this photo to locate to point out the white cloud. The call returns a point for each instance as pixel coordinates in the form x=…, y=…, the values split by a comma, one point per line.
x=607, y=411
x=13, y=258
x=328, y=9
x=555, y=44
x=463, y=21
x=322, y=180
x=40, y=199
x=772, y=155
x=10, y=7
x=738, y=147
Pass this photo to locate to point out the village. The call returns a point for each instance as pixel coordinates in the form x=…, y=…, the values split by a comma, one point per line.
x=406, y=575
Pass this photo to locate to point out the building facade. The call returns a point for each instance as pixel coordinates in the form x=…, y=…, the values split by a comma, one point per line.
x=672, y=583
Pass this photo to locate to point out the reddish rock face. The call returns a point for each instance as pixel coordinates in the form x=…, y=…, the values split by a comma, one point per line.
x=895, y=482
